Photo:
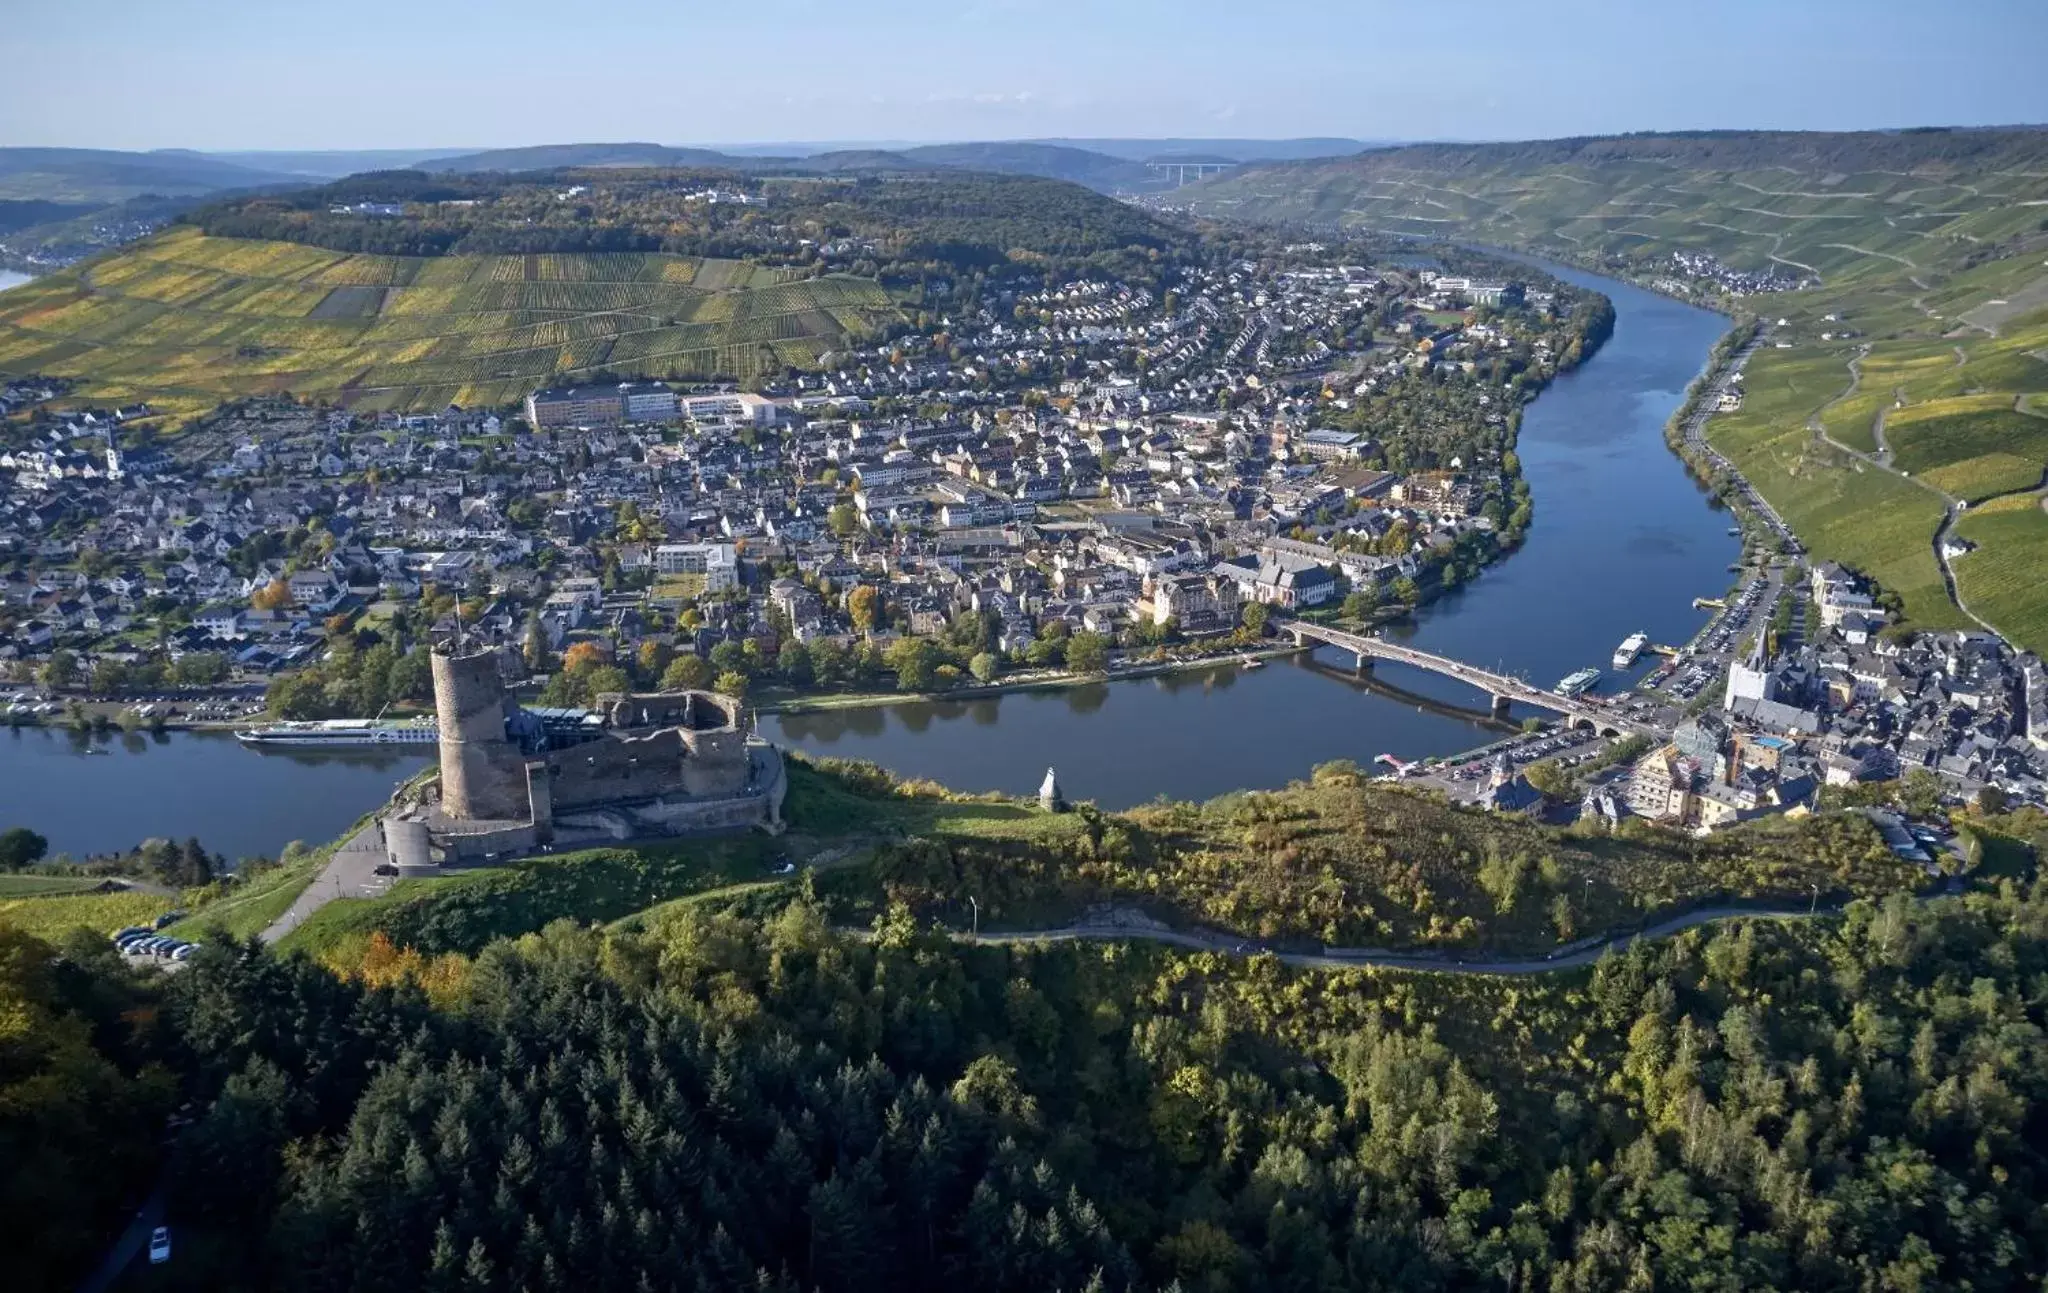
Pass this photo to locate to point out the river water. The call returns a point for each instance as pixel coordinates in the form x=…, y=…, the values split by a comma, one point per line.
x=1623, y=540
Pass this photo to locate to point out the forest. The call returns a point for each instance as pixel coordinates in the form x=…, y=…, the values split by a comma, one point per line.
x=717, y=1101
x=670, y=1068
x=885, y=223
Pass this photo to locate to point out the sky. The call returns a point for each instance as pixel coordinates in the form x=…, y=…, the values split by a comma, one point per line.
x=276, y=74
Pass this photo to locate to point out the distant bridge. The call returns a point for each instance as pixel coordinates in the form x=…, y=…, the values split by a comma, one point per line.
x=1188, y=172
x=1504, y=689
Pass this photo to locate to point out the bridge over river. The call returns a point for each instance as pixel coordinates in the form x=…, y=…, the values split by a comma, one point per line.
x=1505, y=689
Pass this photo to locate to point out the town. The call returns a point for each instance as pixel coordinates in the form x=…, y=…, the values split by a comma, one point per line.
x=1085, y=478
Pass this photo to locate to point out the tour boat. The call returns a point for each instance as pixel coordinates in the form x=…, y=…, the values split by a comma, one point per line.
x=1577, y=681
x=1631, y=647
x=344, y=733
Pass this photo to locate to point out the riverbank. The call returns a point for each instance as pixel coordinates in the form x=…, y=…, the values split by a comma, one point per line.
x=1047, y=680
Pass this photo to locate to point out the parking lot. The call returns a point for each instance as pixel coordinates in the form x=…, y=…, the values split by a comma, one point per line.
x=181, y=706
x=1569, y=748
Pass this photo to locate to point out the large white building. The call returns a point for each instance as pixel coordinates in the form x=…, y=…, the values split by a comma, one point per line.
x=719, y=563
x=755, y=410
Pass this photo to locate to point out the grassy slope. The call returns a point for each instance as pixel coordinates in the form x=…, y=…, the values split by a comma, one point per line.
x=463, y=910
x=1844, y=510
x=1337, y=859
x=1930, y=247
x=2012, y=593
x=188, y=320
x=28, y=884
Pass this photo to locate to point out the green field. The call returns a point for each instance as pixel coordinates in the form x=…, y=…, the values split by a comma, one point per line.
x=465, y=909
x=2012, y=591
x=187, y=321
x=1972, y=446
x=53, y=916
x=250, y=907
x=15, y=884
x=1845, y=510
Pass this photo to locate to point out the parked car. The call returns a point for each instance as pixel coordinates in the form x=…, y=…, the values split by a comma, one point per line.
x=159, y=1245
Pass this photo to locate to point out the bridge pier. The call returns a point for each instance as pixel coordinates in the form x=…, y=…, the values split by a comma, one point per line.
x=1500, y=706
x=1364, y=665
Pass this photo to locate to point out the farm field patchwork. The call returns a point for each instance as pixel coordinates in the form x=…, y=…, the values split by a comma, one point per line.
x=186, y=321
x=1845, y=511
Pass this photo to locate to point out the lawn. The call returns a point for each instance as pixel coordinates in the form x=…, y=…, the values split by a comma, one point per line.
x=677, y=587
x=466, y=909
x=833, y=814
x=248, y=909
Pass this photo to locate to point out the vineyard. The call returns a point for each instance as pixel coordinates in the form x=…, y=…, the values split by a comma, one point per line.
x=186, y=321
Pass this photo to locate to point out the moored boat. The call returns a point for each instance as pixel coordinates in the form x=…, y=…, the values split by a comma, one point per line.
x=343, y=733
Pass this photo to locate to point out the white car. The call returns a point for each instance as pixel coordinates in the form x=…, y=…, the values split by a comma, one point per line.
x=159, y=1245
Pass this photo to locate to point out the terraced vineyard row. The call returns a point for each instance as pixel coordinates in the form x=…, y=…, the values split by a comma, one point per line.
x=187, y=320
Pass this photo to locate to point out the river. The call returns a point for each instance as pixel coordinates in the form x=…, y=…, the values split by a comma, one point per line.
x=1623, y=540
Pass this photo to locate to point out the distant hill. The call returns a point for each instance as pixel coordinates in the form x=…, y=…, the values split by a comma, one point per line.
x=482, y=286
x=1236, y=150
x=546, y=157
x=901, y=213
x=1702, y=189
x=78, y=175
x=186, y=321
x=332, y=164
x=1098, y=171
x=15, y=215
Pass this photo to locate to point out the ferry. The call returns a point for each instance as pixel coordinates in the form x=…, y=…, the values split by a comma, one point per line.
x=1631, y=647
x=1576, y=681
x=344, y=733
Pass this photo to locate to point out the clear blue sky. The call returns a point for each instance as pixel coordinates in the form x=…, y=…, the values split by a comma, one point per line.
x=227, y=74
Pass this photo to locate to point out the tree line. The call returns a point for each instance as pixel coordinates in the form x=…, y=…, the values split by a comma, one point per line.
x=717, y=1101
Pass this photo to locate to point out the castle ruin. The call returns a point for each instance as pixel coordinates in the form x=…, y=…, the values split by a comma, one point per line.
x=514, y=779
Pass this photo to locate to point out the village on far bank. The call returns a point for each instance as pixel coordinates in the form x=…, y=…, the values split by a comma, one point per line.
x=1082, y=480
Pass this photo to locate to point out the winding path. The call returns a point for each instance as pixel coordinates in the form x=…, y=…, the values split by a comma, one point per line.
x=1126, y=927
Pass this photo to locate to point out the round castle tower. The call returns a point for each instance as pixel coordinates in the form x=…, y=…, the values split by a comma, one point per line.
x=483, y=776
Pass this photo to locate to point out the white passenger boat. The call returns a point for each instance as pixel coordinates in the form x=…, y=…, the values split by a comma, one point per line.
x=1630, y=648
x=344, y=733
